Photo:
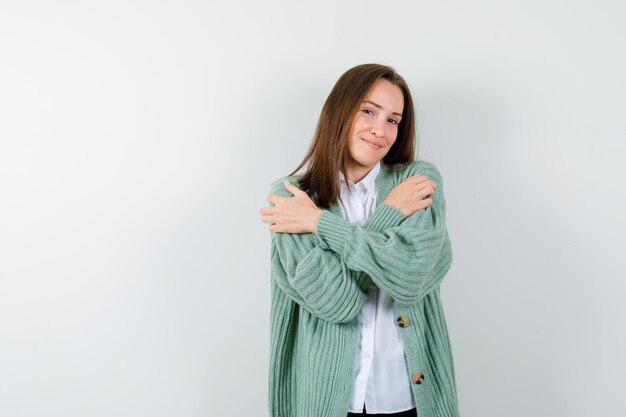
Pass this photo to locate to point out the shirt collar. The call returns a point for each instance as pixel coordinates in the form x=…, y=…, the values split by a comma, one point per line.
x=369, y=181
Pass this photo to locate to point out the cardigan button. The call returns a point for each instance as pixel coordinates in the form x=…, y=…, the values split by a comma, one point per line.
x=403, y=321
x=417, y=377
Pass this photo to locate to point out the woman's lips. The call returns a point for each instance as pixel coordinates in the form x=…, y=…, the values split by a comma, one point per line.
x=372, y=144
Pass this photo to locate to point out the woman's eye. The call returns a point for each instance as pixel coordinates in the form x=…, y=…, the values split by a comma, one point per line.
x=393, y=121
x=368, y=111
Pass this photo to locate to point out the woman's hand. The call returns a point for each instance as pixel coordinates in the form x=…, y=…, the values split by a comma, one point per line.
x=412, y=195
x=297, y=214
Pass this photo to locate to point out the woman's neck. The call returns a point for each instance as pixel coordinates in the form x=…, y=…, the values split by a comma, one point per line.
x=357, y=173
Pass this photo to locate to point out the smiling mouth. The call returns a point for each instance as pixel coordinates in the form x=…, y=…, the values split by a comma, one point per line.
x=372, y=144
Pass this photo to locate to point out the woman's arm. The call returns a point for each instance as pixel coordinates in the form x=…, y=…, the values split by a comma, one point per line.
x=407, y=260
x=320, y=276
x=317, y=278
x=313, y=276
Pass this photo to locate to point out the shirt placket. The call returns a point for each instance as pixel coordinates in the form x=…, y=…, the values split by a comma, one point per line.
x=359, y=202
x=367, y=315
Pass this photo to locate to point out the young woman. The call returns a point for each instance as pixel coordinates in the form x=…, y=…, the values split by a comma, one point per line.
x=359, y=249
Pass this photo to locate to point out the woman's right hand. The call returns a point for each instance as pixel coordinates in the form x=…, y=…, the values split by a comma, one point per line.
x=411, y=195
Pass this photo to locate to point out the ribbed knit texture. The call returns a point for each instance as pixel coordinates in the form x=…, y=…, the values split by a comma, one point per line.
x=320, y=281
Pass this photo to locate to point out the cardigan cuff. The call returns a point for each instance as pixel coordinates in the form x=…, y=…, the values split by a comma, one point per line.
x=383, y=217
x=333, y=231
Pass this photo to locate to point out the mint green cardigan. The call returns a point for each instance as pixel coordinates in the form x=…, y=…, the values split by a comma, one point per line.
x=319, y=282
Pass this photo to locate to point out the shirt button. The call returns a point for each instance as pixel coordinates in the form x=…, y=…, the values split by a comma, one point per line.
x=366, y=355
x=403, y=321
x=367, y=323
x=417, y=378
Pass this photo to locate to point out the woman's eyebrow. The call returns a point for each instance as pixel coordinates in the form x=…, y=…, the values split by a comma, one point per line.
x=380, y=107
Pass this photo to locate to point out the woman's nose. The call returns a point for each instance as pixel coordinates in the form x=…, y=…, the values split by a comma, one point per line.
x=378, y=128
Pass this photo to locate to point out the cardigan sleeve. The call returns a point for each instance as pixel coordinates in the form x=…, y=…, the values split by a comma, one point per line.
x=315, y=278
x=312, y=275
x=406, y=260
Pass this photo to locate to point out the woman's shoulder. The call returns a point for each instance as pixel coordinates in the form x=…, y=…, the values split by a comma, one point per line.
x=419, y=167
x=278, y=186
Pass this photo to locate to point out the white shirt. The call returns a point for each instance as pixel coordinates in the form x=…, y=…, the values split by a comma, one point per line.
x=382, y=380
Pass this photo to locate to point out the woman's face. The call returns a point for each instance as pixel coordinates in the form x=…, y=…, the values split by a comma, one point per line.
x=375, y=126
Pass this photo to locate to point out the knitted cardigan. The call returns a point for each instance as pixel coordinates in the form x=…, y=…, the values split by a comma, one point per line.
x=319, y=283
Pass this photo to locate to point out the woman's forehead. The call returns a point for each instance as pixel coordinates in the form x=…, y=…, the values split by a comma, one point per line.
x=385, y=95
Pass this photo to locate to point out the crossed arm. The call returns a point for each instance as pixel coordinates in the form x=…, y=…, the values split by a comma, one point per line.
x=405, y=256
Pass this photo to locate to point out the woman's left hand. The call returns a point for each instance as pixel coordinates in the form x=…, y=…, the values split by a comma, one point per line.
x=297, y=214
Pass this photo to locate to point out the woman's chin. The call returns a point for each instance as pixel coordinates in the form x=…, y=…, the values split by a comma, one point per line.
x=370, y=158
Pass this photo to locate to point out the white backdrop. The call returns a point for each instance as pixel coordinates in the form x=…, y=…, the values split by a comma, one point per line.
x=139, y=139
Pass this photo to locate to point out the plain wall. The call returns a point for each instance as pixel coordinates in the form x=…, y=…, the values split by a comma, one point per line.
x=138, y=141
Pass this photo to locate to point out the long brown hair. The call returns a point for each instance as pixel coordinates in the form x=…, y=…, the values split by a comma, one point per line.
x=328, y=153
